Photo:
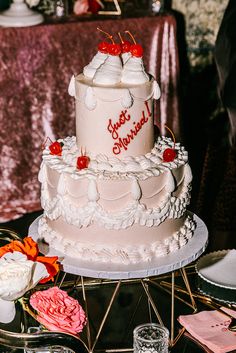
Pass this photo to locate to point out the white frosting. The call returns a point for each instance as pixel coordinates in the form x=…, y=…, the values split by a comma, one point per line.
x=106, y=69
x=90, y=70
x=117, y=254
x=127, y=99
x=142, y=167
x=125, y=57
x=133, y=71
x=90, y=99
x=156, y=90
x=71, y=87
x=135, y=212
x=132, y=169
x=109, y=73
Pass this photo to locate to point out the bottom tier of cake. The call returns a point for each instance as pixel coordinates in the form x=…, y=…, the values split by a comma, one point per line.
x=133, y=245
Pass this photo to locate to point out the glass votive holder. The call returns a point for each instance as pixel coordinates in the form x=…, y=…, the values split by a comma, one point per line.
x=151, y=338
x=44, y=349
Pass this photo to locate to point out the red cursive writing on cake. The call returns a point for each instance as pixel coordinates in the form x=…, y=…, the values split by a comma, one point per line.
x=123, y=142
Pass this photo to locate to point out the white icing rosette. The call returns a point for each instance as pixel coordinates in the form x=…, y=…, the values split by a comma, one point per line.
x=17, y=276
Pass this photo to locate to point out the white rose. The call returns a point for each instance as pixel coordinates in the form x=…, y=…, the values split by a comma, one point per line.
x=17, y=276
x=32, y=3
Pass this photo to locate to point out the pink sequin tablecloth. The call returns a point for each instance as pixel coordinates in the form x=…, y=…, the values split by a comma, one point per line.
x=36, y=64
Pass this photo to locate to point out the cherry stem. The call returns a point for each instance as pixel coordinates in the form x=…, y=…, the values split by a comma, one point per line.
x=44, y=144
x=171, y=132
x=121, y=39
x=132, y=37
x=107, y=34
x=83, y=151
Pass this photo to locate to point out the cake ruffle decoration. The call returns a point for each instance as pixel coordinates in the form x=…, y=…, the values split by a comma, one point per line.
x=42, y=176
x=61, y=186
x=156, y=90
x=71, y=87
x=136, y=190
x=170, y=183
x=188, y=175
x=90, y=99
x=127, y=99
x=93, y=195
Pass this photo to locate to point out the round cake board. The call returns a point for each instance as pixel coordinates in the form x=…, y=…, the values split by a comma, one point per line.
x=168, y=263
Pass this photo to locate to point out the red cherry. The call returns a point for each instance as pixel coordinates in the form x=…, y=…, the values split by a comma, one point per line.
x=103, y=47
x=56, y=148
x=114, y=49
x=169, y=155
x=125, y=46
x=83, y=162
x=136, y=50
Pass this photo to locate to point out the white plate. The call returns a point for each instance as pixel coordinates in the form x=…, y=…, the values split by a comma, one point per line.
x=219, y=268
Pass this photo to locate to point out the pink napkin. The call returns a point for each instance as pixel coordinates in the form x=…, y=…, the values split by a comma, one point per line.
x=210, y=328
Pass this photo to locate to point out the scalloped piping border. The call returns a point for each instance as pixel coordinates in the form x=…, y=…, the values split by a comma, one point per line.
x=112, y=254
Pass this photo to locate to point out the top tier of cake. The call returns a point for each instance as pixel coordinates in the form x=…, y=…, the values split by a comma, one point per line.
x=114, y=106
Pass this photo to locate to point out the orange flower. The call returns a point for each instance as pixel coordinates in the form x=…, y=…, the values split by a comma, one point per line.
x=30, y=248
x=52, y=266
x=27, y=247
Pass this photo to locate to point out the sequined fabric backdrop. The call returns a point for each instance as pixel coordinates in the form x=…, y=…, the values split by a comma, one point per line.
x=36, y=64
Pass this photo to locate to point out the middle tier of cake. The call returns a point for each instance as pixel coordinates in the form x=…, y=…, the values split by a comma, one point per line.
x=116, y=210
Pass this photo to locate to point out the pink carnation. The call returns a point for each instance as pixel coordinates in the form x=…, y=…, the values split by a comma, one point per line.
x=57, y=311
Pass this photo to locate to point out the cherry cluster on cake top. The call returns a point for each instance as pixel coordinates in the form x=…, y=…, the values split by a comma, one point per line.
x=124, y=46
x=117, y=62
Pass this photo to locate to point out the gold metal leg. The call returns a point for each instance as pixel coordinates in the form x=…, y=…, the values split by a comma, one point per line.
x=87, y=315
x=145, y=287
x=172, y=309
x=186, y=282
x=106, y=314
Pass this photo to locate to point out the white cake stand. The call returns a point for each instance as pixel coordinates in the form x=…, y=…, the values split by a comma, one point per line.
x=168, y=263
x=19, y=15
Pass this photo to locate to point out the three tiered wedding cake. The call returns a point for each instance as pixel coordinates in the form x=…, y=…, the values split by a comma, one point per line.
x=113, y=194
